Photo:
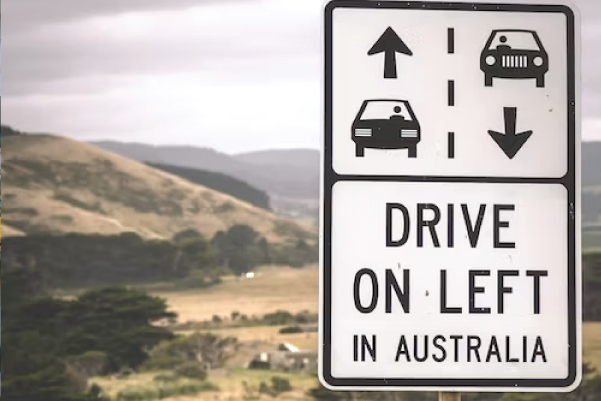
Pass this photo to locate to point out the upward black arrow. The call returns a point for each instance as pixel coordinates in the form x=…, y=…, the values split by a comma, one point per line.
x=510, y=142
x=390, y=44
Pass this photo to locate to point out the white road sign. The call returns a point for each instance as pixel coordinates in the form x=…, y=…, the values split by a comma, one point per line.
x=451, y=197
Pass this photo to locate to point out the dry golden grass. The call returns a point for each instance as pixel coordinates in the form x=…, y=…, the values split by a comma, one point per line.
x=273, y=288
x=591, y=350
x=8, y=231
x=40, y=171
x=229, y=382
x=270, y=334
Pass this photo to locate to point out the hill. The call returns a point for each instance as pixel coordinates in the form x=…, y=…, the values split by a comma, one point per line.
x=219, y=182
x=291, y=176
x=302, y=158
x=283, y=173
x=591, y=164
x=57, y=185
x=591, y=195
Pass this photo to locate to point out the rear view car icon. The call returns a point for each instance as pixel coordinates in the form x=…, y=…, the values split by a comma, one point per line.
x=514, y=54
x=386, y=124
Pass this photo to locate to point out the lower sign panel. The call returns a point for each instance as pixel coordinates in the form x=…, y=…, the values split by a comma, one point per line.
x=450, y=285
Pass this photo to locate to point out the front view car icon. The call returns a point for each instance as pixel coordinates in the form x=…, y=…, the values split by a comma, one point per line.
x=386, y=124
x=514, y=54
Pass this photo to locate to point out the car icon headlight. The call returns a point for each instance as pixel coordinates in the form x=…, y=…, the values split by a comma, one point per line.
x=490, y=60
x=538, y=61
x=362, y=131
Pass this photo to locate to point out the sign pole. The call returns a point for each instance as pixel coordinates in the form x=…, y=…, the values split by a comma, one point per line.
x=444, y=396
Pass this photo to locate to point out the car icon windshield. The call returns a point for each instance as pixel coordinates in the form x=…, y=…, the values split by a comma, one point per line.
x=519, y=40
x=386, y=110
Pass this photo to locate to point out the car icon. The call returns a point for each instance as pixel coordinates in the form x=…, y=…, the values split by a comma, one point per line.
x=514, y=54
x=386, y=124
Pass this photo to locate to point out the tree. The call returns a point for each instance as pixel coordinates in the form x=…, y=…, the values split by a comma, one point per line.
x=196, y=254
x=32, y=370
x=206, y=348
x=240, y=248
x=118, y=322
x=46, y=334
x=186, y=235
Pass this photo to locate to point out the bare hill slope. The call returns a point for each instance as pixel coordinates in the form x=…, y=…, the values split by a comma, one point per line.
x=54, y=184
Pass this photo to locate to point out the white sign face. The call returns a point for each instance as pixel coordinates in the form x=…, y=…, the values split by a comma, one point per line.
x=451, y=215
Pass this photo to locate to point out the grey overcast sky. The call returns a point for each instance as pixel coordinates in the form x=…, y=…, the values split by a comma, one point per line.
x=236, y=75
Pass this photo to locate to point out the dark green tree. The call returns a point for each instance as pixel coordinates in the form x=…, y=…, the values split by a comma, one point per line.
x=240, y=248
x=46, y=333
x=118, y=322
x=195, y=254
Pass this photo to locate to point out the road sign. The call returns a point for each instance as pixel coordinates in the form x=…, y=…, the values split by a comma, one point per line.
x=451, y=210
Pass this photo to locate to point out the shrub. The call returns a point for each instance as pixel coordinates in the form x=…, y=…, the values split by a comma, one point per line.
x=165, y=378
x=291, y=330
x=264, y=388
x=280, y=384
x=191, y=370
x=214, y=351
x=96, y=393
x=90, y=363
x=164, y=391
x=260, y=365
x=278, y=317
x=163, y=362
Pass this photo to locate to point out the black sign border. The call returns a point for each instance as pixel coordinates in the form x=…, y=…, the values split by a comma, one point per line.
x=330, y=177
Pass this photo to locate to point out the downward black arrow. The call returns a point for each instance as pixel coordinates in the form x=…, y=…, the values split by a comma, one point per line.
x=390, y=44
x=510, y=142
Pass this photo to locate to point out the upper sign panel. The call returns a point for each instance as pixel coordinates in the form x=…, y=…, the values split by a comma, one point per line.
x=435, y=91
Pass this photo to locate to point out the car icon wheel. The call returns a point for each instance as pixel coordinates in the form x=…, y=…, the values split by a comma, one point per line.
x=540, y=81
x=487, y=80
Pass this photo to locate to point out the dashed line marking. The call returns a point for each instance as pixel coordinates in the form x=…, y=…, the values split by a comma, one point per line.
x=451, y=40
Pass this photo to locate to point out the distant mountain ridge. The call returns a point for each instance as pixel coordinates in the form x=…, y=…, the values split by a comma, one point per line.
x=283, y=173
x=291, y=157
x=591, y=164
x=291, y=176
x=219, y=182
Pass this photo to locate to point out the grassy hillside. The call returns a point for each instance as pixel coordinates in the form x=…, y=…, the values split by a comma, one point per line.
x=219, y=182
x=57, y=185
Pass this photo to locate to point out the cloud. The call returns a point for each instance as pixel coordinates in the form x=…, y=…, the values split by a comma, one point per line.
x=181, y=109
x=27, y=14
x=234, y=74
x=197, y=39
